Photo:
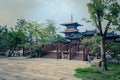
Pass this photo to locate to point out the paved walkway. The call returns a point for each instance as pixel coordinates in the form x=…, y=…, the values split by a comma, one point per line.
x=39, y=69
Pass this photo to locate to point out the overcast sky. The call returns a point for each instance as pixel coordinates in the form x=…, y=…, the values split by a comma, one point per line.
x=40, y=10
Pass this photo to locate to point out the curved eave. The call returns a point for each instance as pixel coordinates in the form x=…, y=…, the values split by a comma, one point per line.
x=70, y=32
x=71, y=24
x=118, y=40
x=72, y=38
x=113, y=36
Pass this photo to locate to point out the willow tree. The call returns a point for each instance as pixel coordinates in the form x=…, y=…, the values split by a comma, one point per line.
x=101, y=12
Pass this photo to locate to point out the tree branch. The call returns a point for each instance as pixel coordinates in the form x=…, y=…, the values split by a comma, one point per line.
x=99, y=23
x=107, y=27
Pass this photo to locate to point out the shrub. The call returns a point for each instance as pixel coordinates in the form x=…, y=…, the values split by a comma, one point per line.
x=36, y=52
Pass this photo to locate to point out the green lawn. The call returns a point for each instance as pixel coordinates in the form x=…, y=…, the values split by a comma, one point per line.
x=93, y=73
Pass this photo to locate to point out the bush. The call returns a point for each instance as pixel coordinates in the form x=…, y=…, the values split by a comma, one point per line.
x=34, y=55
x=2, y=54
x=36, y=52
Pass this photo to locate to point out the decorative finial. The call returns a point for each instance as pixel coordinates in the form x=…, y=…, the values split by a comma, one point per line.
x=71, y=17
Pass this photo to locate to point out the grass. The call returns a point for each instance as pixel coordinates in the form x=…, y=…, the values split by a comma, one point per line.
x=93, y=73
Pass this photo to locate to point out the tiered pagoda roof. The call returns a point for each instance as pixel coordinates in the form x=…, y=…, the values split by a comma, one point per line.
x=71, y=24
x=70, y=30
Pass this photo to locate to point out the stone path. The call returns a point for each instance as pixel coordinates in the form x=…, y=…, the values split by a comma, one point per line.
x=39, y=69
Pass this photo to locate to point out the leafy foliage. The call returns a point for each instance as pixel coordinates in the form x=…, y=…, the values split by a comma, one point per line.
x=93, y=43
x=113, y=47
x=107, y=10
x=38, y=34
x=101, y=11
x=27, y=34
x=15, y=38
x=3, y=38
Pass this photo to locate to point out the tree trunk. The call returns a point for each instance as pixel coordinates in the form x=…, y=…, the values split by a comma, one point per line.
x=103, y=54
x=11, y=52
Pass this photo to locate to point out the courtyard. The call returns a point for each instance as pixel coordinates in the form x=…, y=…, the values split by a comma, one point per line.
x=19, y=68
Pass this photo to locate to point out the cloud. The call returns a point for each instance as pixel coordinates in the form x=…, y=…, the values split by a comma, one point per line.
x=11, y=10
x=17, y=4
x=58, y=10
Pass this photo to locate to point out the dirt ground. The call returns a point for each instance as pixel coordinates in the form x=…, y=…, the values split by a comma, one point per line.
x=18, y=68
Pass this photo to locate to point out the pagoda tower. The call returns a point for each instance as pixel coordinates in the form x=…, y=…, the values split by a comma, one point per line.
x=71, y=32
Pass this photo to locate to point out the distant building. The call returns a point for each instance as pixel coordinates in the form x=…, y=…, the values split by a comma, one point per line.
x=117, y=39
x=109, y=36
x=89, y=33
x=73, y=35
x=112, y=36
x=71, y=32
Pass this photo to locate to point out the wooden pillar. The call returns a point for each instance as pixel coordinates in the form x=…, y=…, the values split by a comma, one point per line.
x=57, y=50
x=57, y=54
x=23, y=51
x=78, y=47
x=84, y=54
x=69, y=56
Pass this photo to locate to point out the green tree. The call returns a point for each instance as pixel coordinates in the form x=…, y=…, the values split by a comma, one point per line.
x=102, y=11
x=51, y=35
x=31, y=29
x=14, y=38
x=48, y=33
x=38, y=33
x=113, y=48
x=93, y=43
x=3, y=39
x=58, y=38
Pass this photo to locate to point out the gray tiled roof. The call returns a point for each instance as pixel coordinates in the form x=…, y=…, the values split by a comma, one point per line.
x=118, y=39
x=111, y=34
x=90, y=32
